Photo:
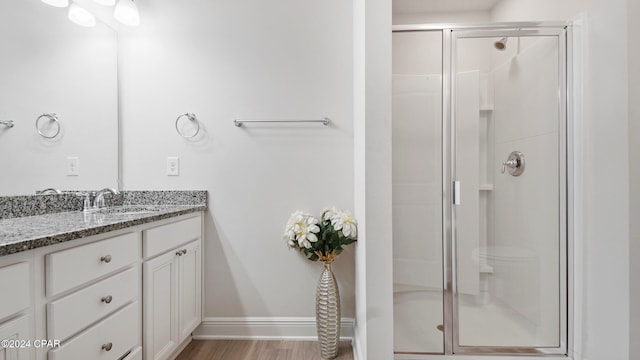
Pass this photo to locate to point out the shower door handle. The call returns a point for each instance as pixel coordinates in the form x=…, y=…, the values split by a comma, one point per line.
x=456, y=193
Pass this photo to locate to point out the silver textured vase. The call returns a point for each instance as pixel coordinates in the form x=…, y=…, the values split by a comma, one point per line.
x=328, y=313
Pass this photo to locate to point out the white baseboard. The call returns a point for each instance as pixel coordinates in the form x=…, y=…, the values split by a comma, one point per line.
x=472, y=357
x=181, y=347
x=357, y=346
x=265, y=328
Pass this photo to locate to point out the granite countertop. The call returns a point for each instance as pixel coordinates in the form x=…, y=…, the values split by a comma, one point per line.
x=24, y=233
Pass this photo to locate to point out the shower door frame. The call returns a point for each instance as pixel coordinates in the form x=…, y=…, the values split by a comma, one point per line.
x=450, y=34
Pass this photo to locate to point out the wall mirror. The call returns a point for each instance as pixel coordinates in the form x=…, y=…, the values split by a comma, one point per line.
x=48, y=66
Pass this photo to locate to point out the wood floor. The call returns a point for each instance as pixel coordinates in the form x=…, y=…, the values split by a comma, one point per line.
x=258, y=350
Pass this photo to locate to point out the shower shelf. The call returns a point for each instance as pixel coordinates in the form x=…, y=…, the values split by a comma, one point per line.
x=486, y=108
x=486, y=269
x=486, y=187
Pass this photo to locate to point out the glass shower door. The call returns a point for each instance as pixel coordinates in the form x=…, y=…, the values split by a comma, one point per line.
x=510, y=240
x=417, y=192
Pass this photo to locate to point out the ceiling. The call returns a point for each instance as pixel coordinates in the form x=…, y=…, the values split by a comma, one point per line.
x=425, y=6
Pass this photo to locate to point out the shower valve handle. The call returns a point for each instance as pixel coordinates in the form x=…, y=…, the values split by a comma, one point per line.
x=510, y=163
x=514, y=163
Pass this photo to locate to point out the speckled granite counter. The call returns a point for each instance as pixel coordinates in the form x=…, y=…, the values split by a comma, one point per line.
x=137, y=207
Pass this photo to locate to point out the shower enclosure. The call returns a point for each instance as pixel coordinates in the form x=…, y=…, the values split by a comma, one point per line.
x=480, y=215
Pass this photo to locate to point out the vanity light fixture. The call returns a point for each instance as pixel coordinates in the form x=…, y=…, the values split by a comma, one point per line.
x=57, y=3
x=126, y=12
x=105, y=2
x=81, y=16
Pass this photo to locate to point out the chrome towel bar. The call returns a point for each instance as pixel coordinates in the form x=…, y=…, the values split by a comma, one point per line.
x=239, y=122
x=7, y=123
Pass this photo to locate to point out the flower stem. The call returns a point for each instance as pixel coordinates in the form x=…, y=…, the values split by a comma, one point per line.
x=327, y=259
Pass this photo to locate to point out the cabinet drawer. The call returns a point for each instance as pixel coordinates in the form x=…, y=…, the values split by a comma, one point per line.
x=160, y=239
x=69, y=268
x=16, y=281
x=74, y=312
x=119, y=333
x=136, y=354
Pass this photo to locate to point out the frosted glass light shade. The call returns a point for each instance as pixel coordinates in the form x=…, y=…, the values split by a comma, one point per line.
x=105, y=2
x=126, y=12
x=81, y=16
x=57, y=3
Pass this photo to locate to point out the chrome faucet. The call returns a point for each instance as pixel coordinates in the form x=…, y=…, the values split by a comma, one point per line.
x=98, y=198
x=49, y=191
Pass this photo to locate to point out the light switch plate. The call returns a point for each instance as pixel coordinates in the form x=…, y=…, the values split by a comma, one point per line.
x=173, y=166
x=73, y=166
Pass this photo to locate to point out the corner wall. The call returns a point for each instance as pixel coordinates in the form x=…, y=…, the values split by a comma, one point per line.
x=633, y=12
x=373, y=338
x=605, y=224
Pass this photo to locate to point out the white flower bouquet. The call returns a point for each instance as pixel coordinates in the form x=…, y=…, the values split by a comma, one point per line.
x=321, y=239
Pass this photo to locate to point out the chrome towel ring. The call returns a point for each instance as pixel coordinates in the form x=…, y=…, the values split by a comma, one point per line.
x=191, y=117
x=52, y=117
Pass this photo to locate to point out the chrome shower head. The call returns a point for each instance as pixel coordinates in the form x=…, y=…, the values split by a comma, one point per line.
x=501, y=44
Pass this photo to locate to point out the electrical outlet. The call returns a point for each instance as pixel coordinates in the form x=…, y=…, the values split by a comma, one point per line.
x=173, y=166
x=73, y=166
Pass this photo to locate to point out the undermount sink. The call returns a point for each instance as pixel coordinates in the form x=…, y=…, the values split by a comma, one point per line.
x=128, y=210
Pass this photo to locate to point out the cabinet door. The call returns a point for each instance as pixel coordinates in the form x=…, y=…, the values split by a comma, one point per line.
x=190, y=285
x=16, y=284
x=11, y=334
x=160, y=305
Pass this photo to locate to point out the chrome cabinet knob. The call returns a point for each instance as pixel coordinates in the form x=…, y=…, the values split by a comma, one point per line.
x=184, y=251
x=107, y=346
x=106, y=259
x=179, y=252
x=106, y=299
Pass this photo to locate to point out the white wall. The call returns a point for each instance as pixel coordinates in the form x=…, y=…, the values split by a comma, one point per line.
x=464, y=17
x=51, y=65
x=537, y=10
x=246, y=59
x=606, y=163
x=633, y=41
x=373, y=339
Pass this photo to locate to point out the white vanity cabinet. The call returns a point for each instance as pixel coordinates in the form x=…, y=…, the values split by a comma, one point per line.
x=120, y=295
x=172, y=274
x=15, y=312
